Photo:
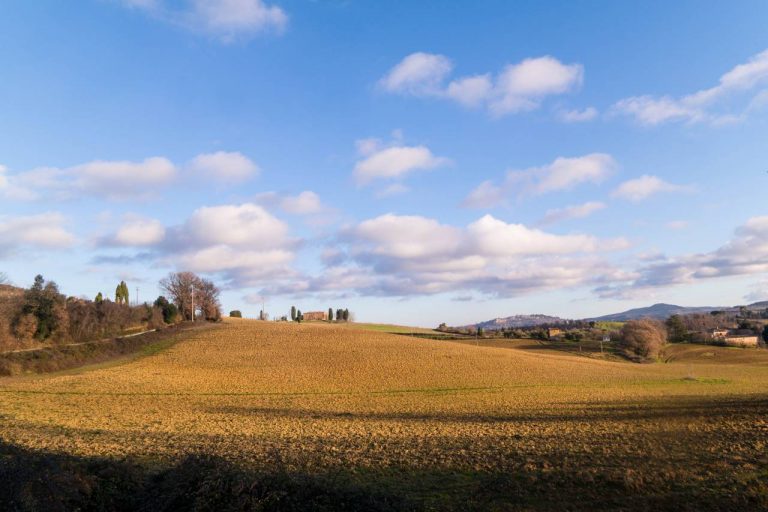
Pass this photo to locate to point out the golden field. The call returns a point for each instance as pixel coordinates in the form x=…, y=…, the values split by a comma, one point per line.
x=437, y=420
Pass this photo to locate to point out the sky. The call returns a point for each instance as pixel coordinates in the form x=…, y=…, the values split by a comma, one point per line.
x=415, y=162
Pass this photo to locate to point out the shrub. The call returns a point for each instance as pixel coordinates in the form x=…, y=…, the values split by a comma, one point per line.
x=643, y=338
x=26, y=327
x=235, y=314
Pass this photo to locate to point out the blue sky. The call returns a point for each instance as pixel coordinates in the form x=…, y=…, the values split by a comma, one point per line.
x=417, y=162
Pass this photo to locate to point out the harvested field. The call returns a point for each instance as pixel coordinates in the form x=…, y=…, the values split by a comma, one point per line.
x=441, y=424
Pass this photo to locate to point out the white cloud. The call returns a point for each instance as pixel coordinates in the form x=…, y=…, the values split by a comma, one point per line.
x=122, y=179
x=418, y=74
x=139, y=232
x=413, y=255
x=225, y=167
x=486, y=195
x=571, y=212
x=394, y=189
x=518, y=87
x=645, y=186
x=306, y=203
x=119, y=180
x=228, y=20
x=745, y=254
x=243, y=244
x=577, y=116
x=700, y=106
x=247, y=226
x=394, y=162
x=44, y=230
x=471, y=91
x=563, y=173
x=522, y=86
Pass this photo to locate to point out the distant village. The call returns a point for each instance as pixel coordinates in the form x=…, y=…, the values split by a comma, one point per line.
x=744, y=326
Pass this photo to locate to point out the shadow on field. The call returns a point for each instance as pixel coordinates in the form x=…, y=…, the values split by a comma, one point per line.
x=618, y=411
x=34, y=480
x=39, y=481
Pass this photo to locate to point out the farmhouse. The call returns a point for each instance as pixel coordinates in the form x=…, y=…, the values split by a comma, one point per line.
x=315, y=315
x=554, y=333
x=718, y=334
x=741, y=341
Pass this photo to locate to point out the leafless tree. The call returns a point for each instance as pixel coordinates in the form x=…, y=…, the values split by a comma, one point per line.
x=179, y=287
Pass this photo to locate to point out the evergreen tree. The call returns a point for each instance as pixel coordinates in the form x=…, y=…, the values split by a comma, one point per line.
x=293, y=313
x=124, y=288
x=330, y=314
x=99, y=298
x=677, y=332
x=339, y=315
x=346, y=315
x=299, y=316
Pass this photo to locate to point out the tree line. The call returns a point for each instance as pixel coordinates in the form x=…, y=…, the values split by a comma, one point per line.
x=341, y=315
x=42, y=314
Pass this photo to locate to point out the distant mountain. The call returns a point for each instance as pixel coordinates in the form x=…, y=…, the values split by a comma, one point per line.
x=658, y=311
x=518, y=321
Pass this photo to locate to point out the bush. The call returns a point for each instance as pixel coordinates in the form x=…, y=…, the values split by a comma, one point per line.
x=643, y=338
x=169, y=309
x=26, y=327
x=235, y=314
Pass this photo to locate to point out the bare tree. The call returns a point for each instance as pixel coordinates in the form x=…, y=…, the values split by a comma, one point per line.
x=180, y=286
x=209, y=300
x=643, y=338
x=3, y=278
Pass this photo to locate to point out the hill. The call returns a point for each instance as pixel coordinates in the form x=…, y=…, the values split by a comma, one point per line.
x=659, y=311
x=442, y=425
x=515, y=321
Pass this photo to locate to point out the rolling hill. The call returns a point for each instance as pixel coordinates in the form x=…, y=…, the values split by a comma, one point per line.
x=659, y=311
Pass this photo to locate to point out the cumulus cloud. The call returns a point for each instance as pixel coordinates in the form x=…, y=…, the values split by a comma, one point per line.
x=517, y=87
x=137, y=231
x=244, y=244
x=228, y=20
x=577, y=116
x=44, y=230
x=563, y=173
x=705, y=105
x=224, y=167
x=121, y=180
x=571, y=212
x=118, y=180
x=403, y=255
x=745, y=254
x=392, y=162
x=418, y=74
x=306, y=204
x=645, y=186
